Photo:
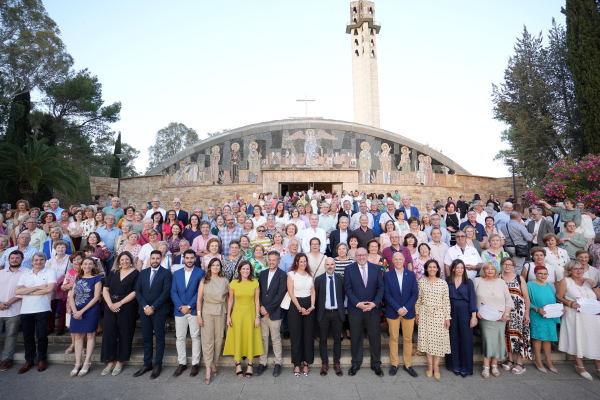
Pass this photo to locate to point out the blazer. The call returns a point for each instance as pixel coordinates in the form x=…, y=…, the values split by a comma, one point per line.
x=396, y=299
x=155, y=295
x=183, y=217
x=356, y=291
x=179, y=260
x=546, y=227
x=321, y=283
x=271, y=299
x=414, y=211
x=334, y=240
x=186, y=295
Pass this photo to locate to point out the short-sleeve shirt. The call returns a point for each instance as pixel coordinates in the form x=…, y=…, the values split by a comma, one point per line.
x=32, y=304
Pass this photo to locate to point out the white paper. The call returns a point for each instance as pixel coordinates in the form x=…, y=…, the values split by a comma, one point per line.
x=489, y=313
x=554, y=310
x=588, y=306
x=176, y=267
x=469, y=259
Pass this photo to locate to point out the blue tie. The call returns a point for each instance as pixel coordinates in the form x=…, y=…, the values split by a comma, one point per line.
x=152, y=275
x=331, y=294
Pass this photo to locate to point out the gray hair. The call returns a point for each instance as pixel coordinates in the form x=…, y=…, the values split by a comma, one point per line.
x=133, y=232
x=489, y=210
x=184, y=240
x=127, y=223
x=40, y=255
x=507, y=204
x=294, y=241
x=343, y=217
x=515, y=215
x=271, y=216
x=477, y=202
x=196, y=208
x=494, y=235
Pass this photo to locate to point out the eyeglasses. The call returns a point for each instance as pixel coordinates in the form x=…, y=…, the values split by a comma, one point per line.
x=260, y=230
x=577, y=269
x=508, y=265
x=461, y=236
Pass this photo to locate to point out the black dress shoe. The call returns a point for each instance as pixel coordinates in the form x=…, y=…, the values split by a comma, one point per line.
x=49, y=332
x=286, y=335
x=410, y=371
x=195, y=370
x=142, y=371
x=260, y=370
x=378, y=371
x=277, y=370
x=393, y=370
x=353, y=370
x=180, y=370
x=156, y=372
x=60, y=332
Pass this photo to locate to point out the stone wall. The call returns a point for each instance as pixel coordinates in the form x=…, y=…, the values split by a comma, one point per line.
x=141, y=189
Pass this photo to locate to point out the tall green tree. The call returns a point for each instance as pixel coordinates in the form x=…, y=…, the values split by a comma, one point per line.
x=18, y=128
x=114, y=169
x=31, y=51
x=583, y=40
x=524, y=101
x=170, y=141
x=34, y=167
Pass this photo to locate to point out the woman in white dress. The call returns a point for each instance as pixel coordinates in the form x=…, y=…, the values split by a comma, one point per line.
x=281, y=216
x=579, y=331
x=296, y=220
x=257, y=218
x=555, y=256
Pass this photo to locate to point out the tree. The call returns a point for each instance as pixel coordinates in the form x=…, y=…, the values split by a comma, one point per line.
x=583, y=40
x=34, y=166
x=170, y=141
x=116, y=161
x=103, y=157
x=31, y=51
x=18, y=128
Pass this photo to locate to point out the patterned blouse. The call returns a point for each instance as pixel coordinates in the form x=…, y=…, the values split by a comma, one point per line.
x=87, y=228
x=230, y=267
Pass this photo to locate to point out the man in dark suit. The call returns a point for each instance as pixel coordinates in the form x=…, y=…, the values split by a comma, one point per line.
x=345, y=212
x=330, y=294
x=539, y=227
x=184, y=293
x=401, y=294
x=364, y=287
x=339, y=235
x=183, y=246
x=273, y=287
x=152, y=292
x=181, y=215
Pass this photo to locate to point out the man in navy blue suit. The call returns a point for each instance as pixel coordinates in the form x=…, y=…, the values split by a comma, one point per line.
x=364, y=287
x=181, y=215
x=152, y=293
x=184, y=293
x=401, y=294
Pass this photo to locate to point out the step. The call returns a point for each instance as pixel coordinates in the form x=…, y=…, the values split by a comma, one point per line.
x=56, y=355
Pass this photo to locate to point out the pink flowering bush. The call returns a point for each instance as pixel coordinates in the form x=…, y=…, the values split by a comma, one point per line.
x=578, y=180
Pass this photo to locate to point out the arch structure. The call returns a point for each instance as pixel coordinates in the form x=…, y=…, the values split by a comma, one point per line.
x=309, y=150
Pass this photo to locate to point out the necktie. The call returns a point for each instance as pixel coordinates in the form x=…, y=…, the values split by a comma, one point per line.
x=331, y=294
x=364, y=274
x=152, y=275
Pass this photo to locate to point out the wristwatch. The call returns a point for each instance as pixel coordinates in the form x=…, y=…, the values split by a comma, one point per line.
x=257, y=316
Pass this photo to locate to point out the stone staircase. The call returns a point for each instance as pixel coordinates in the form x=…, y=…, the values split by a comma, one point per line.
x=58, y=344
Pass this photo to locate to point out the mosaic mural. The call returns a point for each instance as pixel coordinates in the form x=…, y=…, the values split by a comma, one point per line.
x=242, y=160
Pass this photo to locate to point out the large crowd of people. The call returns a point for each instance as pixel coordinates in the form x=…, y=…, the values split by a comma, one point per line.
x=242, y=274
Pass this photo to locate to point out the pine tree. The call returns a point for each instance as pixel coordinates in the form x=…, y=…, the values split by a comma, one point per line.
x=18, y=128
x=583, y=41
x=114, y=168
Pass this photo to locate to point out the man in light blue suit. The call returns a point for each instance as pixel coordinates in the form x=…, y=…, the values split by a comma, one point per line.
x=401, y=294
x=184, y=293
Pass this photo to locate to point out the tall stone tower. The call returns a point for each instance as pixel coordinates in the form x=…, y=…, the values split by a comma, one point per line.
x=363, y=30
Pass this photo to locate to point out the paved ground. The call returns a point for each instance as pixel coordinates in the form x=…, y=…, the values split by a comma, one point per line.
x=55, y=384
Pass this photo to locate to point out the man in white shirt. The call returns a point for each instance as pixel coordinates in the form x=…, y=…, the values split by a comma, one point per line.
x=347, y=197
x=355, y=221
x=156, y=207
x=481, y=213
x=10, y=306
x=388, y=215
x=36, y=287
x=310, y=193
x=468, y=254
x=268, y=208
x=313, y=231
x=326, y=221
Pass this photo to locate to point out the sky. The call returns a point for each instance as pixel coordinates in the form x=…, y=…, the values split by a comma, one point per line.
x=226, y=64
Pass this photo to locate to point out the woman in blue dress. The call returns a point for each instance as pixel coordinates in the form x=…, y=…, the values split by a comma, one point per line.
x=463, y=313
x=543, y=330
x=85, y=309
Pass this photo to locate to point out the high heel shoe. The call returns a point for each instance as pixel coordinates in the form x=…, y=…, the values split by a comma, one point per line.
x=429, y=373
x=305, y=369
x=84, y=371
x=239, y=373
x=75, y=370
x=297, y=374
x=249, y=374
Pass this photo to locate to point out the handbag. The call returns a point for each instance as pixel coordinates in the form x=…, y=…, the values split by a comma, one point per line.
x=287, y=300
x=521, y=250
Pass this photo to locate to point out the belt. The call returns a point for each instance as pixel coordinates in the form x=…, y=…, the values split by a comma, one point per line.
x=332, y=310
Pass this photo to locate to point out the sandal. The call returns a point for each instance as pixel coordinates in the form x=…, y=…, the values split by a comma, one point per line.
x=70, y=349
x=437, y=375
x=495, y=371
x=486, y=373
x=584, y=374
x=305, y=369
x=84, y=371
x=429, y=371
x=519, y=372
x=297, y=374
x=207, y=381
x=75, y=370
x=214, y=373
x=249, y=374
x=507, y=367
x=239, y=373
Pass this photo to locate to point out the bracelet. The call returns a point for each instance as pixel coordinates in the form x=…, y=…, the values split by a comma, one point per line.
x=473, y=318
x=257, y=316
x=569, y=305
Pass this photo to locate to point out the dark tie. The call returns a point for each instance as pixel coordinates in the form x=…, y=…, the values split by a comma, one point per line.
x=331, y=294
x=152, y=275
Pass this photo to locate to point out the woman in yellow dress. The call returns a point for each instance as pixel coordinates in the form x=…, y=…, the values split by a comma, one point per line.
x=244, y=338
x=433, y=317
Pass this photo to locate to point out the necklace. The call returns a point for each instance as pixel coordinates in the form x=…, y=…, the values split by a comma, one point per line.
x=488, y=286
